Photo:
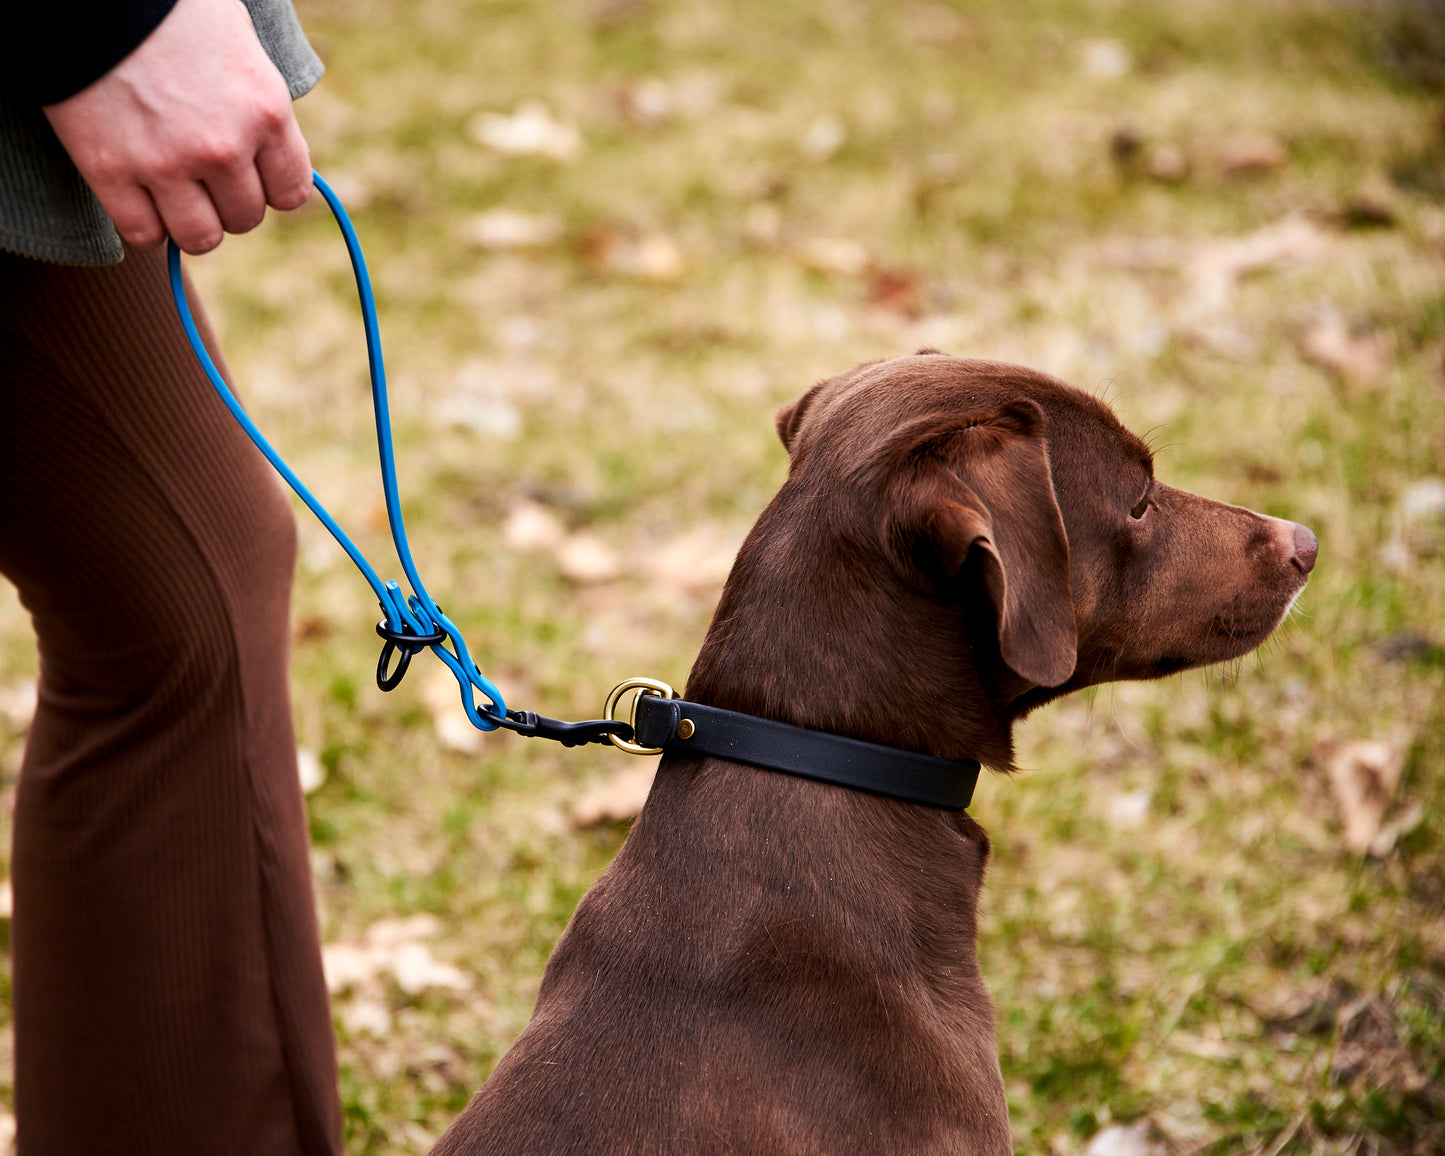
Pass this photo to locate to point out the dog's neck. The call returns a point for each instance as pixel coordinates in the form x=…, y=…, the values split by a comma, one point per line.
x=806, y=635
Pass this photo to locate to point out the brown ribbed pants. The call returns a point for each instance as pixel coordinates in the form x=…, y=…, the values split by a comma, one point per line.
x=168, y=994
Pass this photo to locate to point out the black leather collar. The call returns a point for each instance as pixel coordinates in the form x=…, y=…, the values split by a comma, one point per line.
x=680, y=727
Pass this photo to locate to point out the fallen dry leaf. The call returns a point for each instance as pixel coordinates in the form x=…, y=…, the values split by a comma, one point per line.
x=1356, y=356
x=1424, y=501
x=416, y=970
x=441, y=695
x=1105, y=59
x=493, y=417
x=1419, y=525
x=649, y=102
x=1248, y=154
x=1122, y=1140
x=17, y=704
x=763, y=224
x=1217, y=266
x=585, y=558
x=1395, y=830
x=650, y=257
x=346, y=965
x=618, y=799
x=531, y=527
x=1364, y=774
x=833, y=255
x=368, y=1017
x=392, y=947
x=310, y=769
x=896, y=290
x=695, y=561
x=1369, y=1046
x=653, y=101
x=1167, y=164
x=503, y=228
x=530, y=131
x=825, y=136
x=1129, y=809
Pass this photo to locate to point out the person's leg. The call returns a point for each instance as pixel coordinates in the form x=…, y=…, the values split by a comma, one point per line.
x=167, y=988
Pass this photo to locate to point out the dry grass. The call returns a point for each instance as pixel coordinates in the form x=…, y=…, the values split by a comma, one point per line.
x=1227, y=217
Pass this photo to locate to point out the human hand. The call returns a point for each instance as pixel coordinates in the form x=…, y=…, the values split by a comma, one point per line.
x=192, y=135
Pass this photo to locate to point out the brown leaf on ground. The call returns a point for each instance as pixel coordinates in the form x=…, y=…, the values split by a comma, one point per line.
x=530, y=131
x=1217, y=266
x=393, y=947
x=442, y=696
x=763, y=225
x=1363, y=774
x=1355, y=356
x=834, y=256
x=17, y=704
x=503, y=228
x=617, y=799
x=586, y=558
x=531, y=526
x=310, y=769
x=647, y=257
x=1167, y=164
x=896, y=290
x=1123, y=1140
x=1249, y=154
x=695, y=561
x=1370, y=1046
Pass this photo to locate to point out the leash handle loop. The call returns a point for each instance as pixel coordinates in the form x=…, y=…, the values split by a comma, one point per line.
x=410, y=623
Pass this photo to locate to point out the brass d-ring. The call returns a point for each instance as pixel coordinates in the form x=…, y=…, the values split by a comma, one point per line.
x=642, y=686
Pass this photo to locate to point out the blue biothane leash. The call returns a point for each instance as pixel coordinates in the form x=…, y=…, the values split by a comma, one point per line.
x=660, y=722
x=413, y=622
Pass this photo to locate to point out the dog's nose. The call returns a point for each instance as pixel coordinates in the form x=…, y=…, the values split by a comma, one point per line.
x=1306, y=548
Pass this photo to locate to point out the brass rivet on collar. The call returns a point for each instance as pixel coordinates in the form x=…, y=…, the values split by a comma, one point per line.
x=685, y=729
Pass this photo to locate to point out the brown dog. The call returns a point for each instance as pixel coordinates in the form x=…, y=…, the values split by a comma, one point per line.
x=774, y=965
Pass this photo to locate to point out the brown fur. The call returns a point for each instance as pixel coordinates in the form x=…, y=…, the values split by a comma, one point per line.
x=778, y=966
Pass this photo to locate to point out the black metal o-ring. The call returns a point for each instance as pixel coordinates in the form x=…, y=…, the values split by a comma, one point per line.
x=404, y=644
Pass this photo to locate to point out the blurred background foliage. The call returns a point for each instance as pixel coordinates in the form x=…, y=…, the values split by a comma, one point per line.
x=610, y=237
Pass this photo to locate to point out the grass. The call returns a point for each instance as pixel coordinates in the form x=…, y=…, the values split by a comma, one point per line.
x=1174, y=929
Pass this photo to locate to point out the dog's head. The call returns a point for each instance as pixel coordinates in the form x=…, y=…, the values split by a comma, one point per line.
x=1029, y=504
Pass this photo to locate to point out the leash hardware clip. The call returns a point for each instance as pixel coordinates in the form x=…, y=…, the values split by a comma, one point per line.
x=642, y=686
x=570, y=734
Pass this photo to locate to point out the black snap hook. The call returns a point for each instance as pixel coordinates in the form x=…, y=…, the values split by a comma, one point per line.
x=403, y=643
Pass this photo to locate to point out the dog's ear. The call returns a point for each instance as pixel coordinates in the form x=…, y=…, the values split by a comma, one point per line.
x=987, y=486
x=790, y=417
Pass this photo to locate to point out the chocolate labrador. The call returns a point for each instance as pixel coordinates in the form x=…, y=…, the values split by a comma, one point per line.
x=780, y=965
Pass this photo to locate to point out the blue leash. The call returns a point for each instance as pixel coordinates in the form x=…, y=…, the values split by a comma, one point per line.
x=413, y=622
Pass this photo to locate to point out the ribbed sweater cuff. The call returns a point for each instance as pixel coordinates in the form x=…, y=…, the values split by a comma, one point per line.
x=55, y=48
